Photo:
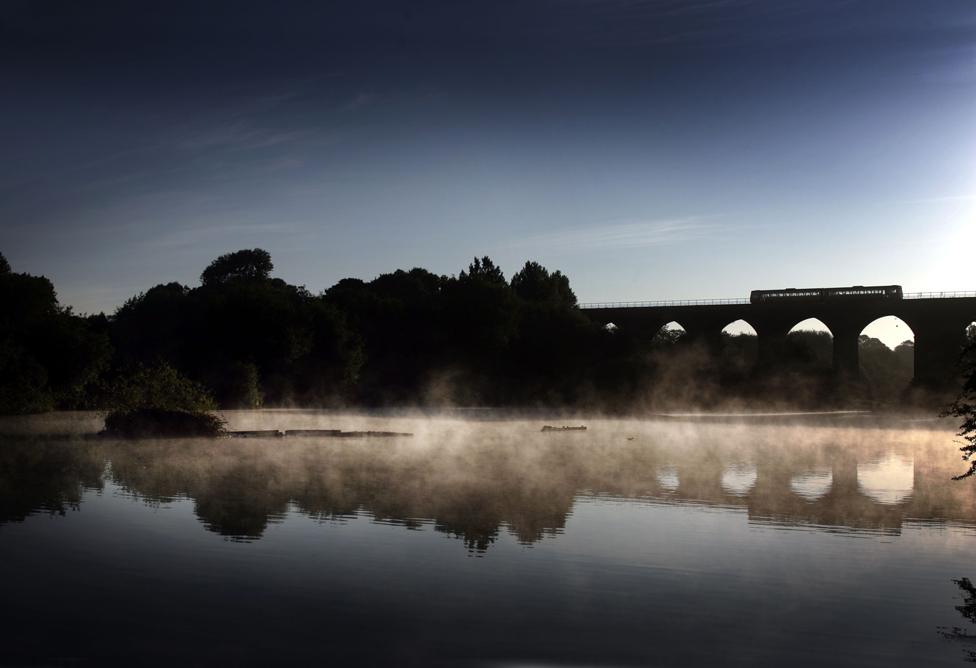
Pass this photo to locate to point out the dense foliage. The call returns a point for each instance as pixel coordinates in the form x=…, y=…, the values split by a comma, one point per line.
x=48, y=356
x=243, y=338
x=965, y=406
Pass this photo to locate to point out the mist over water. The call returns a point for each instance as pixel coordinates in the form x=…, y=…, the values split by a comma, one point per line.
x=674, y=540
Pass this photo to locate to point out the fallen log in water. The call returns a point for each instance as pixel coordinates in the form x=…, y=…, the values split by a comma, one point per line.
x=312, y=432
x=551, y=428
x=315, y=433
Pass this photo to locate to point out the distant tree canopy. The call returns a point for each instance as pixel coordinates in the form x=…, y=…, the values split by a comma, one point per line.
x=48, y=356
x=483, y=270
x=4, y=265
x=533, y=283
x=248, y=337
x=253, y=264
x=887, y=371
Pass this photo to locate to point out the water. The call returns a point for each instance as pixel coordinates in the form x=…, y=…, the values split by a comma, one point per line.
x=799, y=540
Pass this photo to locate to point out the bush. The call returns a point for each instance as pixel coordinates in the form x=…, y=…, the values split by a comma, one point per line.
x=154, y=422
x=160, y=401
x=158, y=387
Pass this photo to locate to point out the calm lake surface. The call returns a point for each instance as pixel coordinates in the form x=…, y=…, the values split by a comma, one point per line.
x=789, y=540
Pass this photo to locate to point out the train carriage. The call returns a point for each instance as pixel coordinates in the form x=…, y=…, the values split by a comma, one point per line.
x=851, y=292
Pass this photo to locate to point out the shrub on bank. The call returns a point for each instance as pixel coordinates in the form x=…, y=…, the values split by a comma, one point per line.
x=161, y=423
x=159, y=401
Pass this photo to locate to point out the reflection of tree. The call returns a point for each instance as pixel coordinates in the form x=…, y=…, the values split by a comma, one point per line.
x=469, y=490
x=235, y=490
x=241, y=500
x=968, y=611
x=45, y=477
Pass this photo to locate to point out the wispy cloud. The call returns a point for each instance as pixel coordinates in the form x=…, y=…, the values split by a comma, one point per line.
x=624, y=234
x=239, y=233
x=360, y=101
x=240, y=135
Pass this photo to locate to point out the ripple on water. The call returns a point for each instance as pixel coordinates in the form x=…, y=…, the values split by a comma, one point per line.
x=888, y=480
x=812, y=485
x=738, y=479
x=667, y=478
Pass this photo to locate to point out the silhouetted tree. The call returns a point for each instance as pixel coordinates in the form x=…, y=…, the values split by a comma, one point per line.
x=737, y=358
x=551, y=354
x=330, y=368
x=48, y=356
x=533, y=283
x=483, y=270
x=253, y=264
x=665, y=337
x=4, y=265
x=153, y=325
x=398, y=318
x=481, y=311
x=888, y=372
x=808, y=351
x=247, y=337
x=964, y=407
x=905, y=352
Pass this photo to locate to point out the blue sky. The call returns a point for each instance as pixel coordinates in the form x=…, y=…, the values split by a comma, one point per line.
x=648, y=149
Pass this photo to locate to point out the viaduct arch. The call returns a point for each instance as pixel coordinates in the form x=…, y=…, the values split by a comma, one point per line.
x=939, y=321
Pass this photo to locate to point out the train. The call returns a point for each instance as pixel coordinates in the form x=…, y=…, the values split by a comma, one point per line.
x=826, y=294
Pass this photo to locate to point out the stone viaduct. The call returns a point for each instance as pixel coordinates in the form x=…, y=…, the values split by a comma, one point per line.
x=938, y=320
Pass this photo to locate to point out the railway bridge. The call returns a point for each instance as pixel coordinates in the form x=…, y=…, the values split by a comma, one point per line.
x=938, y=320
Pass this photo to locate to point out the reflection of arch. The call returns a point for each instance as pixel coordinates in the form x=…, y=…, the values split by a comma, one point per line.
x=667, y=478
x=889, y=480
x=738, y=480
x=813, y=484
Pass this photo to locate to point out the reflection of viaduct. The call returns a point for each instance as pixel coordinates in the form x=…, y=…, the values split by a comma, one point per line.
x=842, y=504
x=938, y=322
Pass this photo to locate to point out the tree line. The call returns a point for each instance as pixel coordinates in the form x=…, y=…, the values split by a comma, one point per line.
x=243, y=338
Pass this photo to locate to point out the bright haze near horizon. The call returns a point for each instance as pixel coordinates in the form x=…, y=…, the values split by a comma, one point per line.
x=649, y=150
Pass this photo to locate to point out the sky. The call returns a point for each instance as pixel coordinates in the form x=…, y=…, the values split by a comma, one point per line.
x=649, y=149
